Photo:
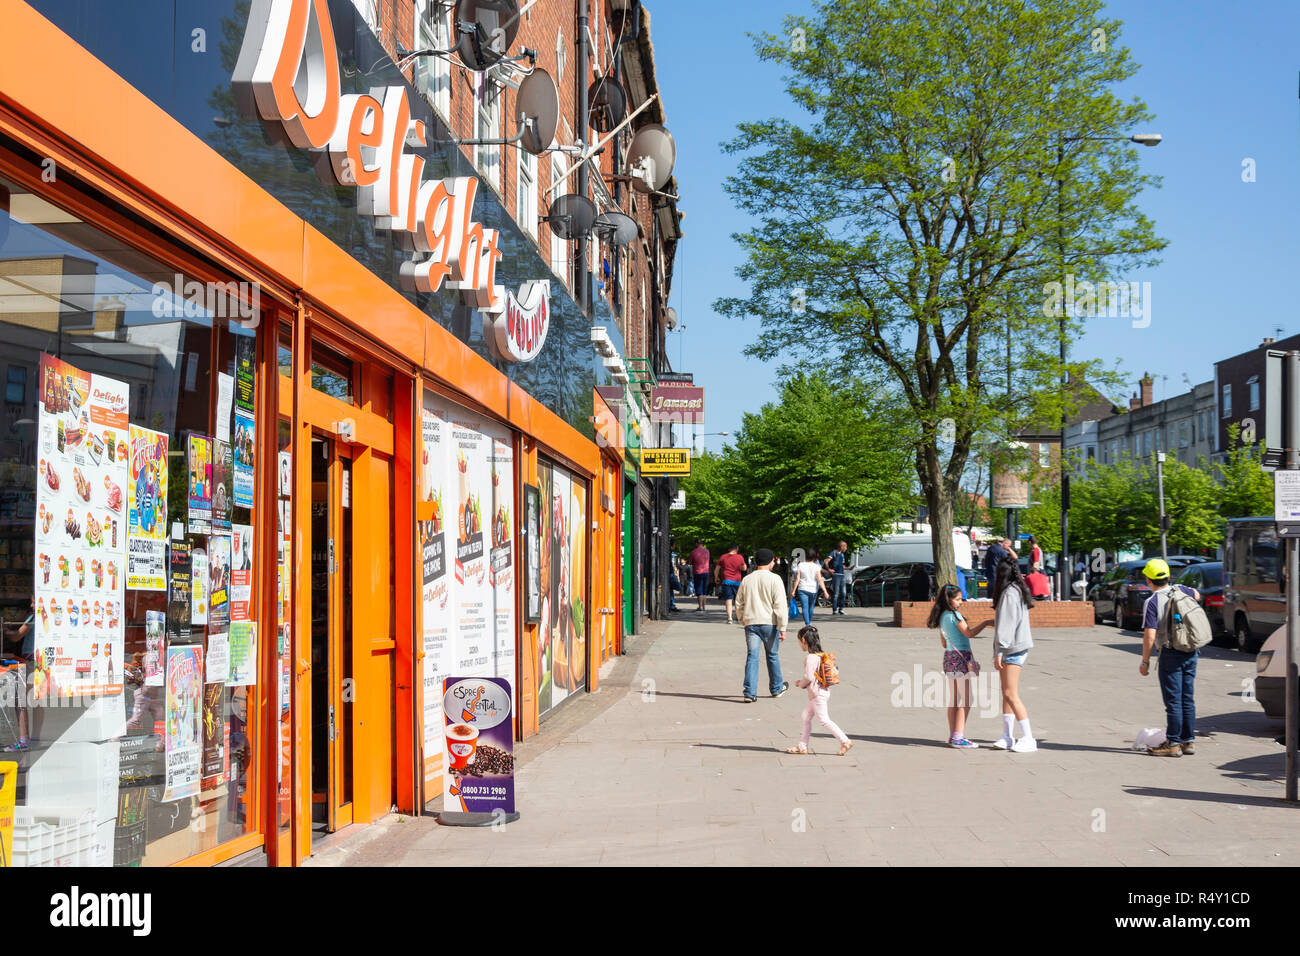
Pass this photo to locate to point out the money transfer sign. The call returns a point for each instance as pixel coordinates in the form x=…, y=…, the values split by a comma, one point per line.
x=666, y=461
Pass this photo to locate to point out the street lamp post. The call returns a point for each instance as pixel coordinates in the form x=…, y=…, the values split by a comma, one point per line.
x=1142, y=139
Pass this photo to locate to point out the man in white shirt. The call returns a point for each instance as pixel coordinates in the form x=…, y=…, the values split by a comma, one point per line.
x=761, y=606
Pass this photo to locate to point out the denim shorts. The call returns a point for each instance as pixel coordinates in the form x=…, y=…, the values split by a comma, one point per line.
x=1017, y=659
x=729, y=589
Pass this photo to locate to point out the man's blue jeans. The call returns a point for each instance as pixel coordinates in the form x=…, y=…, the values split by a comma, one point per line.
x=807, y=601
x=767, y=638
x=1177, y=671
x=840, y=585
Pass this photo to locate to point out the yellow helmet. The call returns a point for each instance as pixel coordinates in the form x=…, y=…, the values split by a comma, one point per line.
x=1156, y=570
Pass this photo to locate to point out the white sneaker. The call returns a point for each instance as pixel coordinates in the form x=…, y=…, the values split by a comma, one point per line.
x=1002, y=743
x=1025, y=745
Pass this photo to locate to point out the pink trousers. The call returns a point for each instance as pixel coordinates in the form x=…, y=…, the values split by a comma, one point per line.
x=818, y=707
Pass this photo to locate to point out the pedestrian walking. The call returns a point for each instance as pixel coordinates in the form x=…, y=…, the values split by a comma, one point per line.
x=728, y=573
x=807, y=582
x=761, y=609
x=1177, y=667
x=918, y=583
x=819, y=673
x=993, y=556
x=959, y=664
x=700, y=570
x=1035, y=555
x=839, y=577
x=1012, y=640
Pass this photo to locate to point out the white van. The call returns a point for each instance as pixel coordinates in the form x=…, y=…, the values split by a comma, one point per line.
x=1270, y=675
x=907, y=547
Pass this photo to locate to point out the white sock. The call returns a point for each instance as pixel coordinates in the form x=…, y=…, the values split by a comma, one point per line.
x=1007, y=721
x=1024, y=728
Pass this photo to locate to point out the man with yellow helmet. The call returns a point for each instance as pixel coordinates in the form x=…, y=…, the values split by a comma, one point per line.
x=1176, y=669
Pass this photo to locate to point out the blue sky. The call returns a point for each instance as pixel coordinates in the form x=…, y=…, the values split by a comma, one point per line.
x=1221, y=80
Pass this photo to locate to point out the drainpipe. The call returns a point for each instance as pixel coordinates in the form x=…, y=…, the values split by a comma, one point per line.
x=584, y=130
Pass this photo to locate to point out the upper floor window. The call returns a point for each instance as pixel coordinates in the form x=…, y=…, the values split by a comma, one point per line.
x=487, y=125
x=526, y=201
x=560, y=57
x=559, y=247
x=433, y=73
x=1227, y=401
x=1044, y=456
x=369, y=10
x=1252, y=384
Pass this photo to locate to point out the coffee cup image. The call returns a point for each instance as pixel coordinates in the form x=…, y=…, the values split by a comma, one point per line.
x=462, y=741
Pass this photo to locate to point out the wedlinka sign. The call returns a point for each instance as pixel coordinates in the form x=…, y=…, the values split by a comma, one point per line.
x=676, y=403
x=518, y=333
x=289, y=66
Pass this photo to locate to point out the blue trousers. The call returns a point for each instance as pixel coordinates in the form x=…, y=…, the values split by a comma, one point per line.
x=1177, y=671
x=766, y=637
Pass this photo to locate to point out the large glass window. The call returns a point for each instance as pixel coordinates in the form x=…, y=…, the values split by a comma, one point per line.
x=126, y=546
x=562, y=632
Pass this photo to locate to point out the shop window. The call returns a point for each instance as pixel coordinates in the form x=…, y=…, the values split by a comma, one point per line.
x=284, y=352
x=16, y=385
x=126, y=526
x=562, y=642
x=331, y=373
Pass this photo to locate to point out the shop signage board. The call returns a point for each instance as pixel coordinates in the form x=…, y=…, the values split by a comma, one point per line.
x=677, y=403
x=679, y=503
x=81, y=532
x=666, y=461
x=478, y=741
x=518, y=333
x=1286, y=503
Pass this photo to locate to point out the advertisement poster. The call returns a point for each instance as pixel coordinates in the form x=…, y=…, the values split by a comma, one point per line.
x=222, y=460
x=199, y=471
x=81, y=532
x=244, y=451
x=218, y=659
x=245, y=357
x=198, y=582
x=180, y=591
x=436, y=594
x=562, y=641
x=146, y=489
x=155, y=642
x=219, y=582
x=241, y=571
x=501, y=556
x=183, y=737
x=243, y=653
x=214, y=738
x=478, y=745
x=225, y=402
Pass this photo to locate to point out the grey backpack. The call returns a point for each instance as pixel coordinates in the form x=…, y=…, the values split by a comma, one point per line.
x=1184, y=625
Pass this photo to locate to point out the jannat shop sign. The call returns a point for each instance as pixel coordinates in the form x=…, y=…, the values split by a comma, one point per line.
x=288, y=73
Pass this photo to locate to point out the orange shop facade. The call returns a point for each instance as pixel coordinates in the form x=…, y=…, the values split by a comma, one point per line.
x=315, y=489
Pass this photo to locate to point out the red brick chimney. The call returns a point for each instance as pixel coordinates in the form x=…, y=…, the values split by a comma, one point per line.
x=1133, y=402
x=1148, y=384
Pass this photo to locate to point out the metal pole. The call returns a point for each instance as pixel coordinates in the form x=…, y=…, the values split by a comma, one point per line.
x=1062, y=571
x=584, y=130
x=1160, y=486
x=1291, y=388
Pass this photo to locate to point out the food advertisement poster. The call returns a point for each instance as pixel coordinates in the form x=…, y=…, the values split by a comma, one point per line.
x=222, y=461
x=199, y=483
x=81, y=532
x=436, y=594
x=243, y=653
x=478, y=745
x=562, y=639
x=241, y=571
x=183, y=738
x=244, y=451
x=146, y=533
x=219, y=581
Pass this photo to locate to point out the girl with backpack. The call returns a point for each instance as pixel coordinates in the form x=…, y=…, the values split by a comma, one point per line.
x=1012, y=640
x=819, y=673
x=959, y=665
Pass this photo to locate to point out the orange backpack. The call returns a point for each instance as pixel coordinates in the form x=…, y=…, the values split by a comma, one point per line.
x=827, y=672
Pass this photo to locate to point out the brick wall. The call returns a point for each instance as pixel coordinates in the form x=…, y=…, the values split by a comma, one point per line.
x=1043, y=614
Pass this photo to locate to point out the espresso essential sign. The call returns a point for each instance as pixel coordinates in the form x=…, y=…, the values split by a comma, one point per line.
x=288, y=72
x=666, y=461
x=518, y=333
x=480, y=745
x=677, y=403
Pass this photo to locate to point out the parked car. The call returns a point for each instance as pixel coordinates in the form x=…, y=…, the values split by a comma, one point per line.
x=1123, y=591
x=1190, y=558
x=1254, y=604
x=889, y=586
x=1270, y=675
x=1207, y=579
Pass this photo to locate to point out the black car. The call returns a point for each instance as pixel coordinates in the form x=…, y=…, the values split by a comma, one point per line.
x=890, y=585
x=1123, y=591
x=862, y=578
x=1207, y=578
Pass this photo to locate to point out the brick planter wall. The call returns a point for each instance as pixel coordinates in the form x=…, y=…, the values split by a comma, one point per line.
x=1043, y=614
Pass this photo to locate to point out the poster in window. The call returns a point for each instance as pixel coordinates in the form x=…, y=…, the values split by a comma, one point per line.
x=180, y=591
x=533, y=551
x=183, y=736
x=245, y=452
x=214, y=762
x=219, y=582
x=222, y=460
x=198, y=582
x=199, y=483
x=241, y=571
x=146, y=535
x=436, y=582
x=243, y=653
x=155, y=644
x=245, y=377
x=80, y=532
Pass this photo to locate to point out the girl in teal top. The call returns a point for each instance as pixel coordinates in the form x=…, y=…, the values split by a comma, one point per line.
x=959, y=665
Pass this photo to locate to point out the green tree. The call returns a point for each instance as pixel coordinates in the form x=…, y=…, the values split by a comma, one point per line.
x=710, y=513
x=1042, y=518
x=1191, y=502
x=913, y=225
x=1107, y=508
x=1245, y=488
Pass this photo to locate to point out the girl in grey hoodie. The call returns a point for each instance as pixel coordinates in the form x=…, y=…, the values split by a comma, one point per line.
x=1012, y=600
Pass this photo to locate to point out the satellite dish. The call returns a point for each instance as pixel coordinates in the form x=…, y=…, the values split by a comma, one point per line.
x=607, y=104
x=571, y=216
x=670, y=316
x=617, y=228
x=494, y=25
x=539, y=101
x=650, y=158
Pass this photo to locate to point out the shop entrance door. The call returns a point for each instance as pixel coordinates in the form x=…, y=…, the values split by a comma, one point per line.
x=331, y=633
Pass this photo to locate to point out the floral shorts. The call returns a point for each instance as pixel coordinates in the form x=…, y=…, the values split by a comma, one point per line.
x=960, y=664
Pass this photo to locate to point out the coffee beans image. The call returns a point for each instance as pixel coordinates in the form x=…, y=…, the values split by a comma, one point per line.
x=489, y=762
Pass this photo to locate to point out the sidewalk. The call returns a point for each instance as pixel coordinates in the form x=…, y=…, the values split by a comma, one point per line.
x=678, y=771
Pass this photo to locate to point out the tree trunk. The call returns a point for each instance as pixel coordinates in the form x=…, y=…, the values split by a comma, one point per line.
x=938, y=498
